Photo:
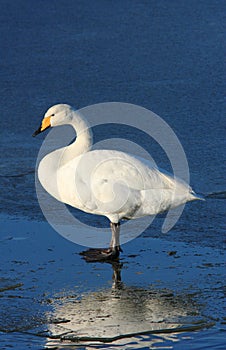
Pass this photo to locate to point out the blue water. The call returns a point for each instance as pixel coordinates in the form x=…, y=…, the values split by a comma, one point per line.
x=165, y=56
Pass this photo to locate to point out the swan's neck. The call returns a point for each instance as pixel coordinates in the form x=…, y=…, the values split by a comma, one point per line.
x=83, y=142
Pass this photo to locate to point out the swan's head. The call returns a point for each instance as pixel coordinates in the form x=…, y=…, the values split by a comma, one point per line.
x=56, y=115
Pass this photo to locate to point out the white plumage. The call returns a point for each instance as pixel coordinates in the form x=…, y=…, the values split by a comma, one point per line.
x=105, y=182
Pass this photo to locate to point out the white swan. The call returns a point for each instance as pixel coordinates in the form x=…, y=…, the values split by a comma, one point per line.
x=105, y=182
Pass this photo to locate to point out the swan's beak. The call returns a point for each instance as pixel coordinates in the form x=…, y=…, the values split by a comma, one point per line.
x=45, y=125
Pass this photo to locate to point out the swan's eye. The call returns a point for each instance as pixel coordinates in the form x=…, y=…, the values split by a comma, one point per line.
x=52, y=115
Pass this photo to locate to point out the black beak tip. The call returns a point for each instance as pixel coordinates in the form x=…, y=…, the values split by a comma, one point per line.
x=36, y=132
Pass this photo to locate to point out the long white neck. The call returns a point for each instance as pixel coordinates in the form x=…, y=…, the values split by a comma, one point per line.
x=83, y=142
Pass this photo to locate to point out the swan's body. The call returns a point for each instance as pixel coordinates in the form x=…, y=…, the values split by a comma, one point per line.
x=105, y=182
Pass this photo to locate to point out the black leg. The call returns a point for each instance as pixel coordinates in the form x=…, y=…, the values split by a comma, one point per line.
x=110, y=254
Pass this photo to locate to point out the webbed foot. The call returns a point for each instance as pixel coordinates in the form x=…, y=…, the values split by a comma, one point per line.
x=101, y=255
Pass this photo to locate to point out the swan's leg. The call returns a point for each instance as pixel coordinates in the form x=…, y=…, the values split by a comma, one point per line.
x=112, y=253
x=115, y=245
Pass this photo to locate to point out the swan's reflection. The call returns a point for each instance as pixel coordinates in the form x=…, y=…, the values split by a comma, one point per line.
x=118, y=313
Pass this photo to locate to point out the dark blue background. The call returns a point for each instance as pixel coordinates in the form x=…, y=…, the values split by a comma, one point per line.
x=164, y=55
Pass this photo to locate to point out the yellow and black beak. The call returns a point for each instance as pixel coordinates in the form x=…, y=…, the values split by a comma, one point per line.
x=45, y=125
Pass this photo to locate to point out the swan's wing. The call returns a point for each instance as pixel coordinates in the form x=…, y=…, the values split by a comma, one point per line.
x=102, y=166
x=108, y=181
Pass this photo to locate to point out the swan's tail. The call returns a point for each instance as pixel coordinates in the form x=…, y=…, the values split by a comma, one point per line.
x=197, y=196
x=214, y=195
